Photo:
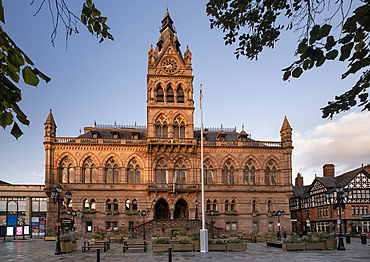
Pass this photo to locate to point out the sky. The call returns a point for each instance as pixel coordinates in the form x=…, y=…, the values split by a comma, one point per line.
x=106, y=83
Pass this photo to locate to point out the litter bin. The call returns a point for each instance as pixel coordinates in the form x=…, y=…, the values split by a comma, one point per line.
x=363, y=238
x=284, y=234
x=348, y=238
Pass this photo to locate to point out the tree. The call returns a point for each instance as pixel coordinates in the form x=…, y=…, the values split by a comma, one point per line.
x=316, y=42
x=14, y=60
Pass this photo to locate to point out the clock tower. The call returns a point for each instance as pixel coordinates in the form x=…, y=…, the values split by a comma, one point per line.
x=170, y=105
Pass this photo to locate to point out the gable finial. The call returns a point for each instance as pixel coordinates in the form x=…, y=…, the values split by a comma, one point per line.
x=95, y=123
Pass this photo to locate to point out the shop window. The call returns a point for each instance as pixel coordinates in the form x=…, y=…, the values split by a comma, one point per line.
x=228, y=225
x=233, y=226
x=115, y=225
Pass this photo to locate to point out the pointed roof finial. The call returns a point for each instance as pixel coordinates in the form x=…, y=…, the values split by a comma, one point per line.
x=95, y=123
x=50, y=119
x=80, y=131
x=242, y=127
x=285, y=125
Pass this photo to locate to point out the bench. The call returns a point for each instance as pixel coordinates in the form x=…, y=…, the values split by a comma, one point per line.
x=87, y=245
x=84, y=248
x=134, y=244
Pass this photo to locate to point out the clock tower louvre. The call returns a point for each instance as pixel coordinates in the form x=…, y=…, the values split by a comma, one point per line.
x=170, y=105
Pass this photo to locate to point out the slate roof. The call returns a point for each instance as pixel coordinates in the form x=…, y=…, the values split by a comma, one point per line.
x=299, y=191
x=124, y=133
x=212, y=135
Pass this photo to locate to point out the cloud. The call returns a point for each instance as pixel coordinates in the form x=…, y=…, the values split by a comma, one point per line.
x=344, y=143
x=41, y=174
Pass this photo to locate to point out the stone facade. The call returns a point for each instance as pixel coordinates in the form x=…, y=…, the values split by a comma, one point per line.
x=117, y=170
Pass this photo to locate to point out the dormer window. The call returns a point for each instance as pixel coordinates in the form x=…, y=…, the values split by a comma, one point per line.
x=135, y=135
x=221, y=137
x=115, y=134
x=95, y=134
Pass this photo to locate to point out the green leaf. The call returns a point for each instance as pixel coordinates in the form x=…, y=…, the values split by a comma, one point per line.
x=302, y=46
x=16, y=131
x=89, y=3
x=41, y=75
x=6, y=119
x=314, y=34
x=332, y=54
x=320, y=61
x=286, y=75
x=15, y=57
x=83, y=19
x=345, y=51
x=23, y=119
x=297, y=72
x=325, y=30
x=29, y=76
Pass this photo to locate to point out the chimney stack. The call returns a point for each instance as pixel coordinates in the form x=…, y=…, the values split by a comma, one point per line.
x=328, y=170
x=299, y=180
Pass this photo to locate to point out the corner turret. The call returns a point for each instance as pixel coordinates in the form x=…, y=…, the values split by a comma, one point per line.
x=286, y=133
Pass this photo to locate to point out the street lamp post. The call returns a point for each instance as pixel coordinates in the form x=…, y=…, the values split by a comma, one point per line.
x=196, y=209
x=144, y=214
x=279, y=214
x=211, y=213
x=154, y=216
x=56, y=196
x=338, y=201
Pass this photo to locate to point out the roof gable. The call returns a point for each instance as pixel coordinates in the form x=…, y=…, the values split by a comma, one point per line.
x=359, y=181
x=316, y=187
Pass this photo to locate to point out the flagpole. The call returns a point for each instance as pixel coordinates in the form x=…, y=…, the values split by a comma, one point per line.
x=203, y=231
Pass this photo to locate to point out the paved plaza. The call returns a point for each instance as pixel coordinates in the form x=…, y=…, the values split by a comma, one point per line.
x=39, y=250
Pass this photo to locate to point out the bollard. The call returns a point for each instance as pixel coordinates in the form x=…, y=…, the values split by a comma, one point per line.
x=284, y=234
x=300, y=234
x=98, y=255
x=170, y=254
x=363, y=238
x=348, y=238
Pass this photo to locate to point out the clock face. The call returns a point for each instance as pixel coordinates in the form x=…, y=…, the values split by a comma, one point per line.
x=169, y=66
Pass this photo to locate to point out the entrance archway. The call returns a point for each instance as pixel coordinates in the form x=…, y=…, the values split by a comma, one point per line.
x=181, y=209
x=162, y=210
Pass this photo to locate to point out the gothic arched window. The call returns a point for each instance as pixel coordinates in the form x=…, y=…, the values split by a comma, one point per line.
x=134, y=205
x=208, y=172
x=214, y=206
x=170, y=95
x=115, y=205
x=66, y=171
x=270, y=173
x=226, y=205
x=111, y=171
x=133, y=172
x=160, y=96
x=232, y=206
x=161, y=128
x=269, y=206
x=254, y=205
x=90, y=171
x=128, y=204
x=108, y=205
x=228, y=173
x=180, y=172
x=180, y=95
x=250, y=173
x=161, y=172
x=208, y=205
x=179, y=127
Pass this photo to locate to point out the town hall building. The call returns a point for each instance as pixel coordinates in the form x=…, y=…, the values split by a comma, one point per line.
x=114, y=171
